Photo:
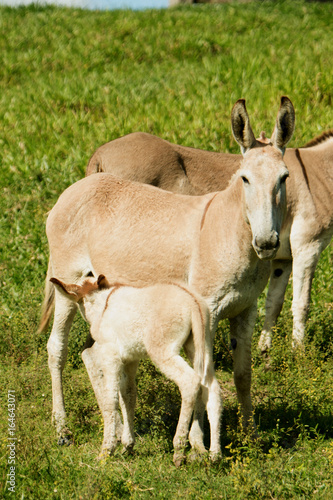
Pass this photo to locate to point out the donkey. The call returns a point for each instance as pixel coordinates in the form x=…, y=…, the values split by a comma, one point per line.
x=145, y=158
x=219, y=244
x=128, y=324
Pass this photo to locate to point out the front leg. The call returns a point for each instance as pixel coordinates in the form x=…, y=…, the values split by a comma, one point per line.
x=304, y=266
x=57, y=347
x=104, y=369
x=280, y=272
x=241, y=328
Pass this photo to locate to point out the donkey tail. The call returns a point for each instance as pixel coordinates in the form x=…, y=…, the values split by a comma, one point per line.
x=200, y=325
x=48, y=303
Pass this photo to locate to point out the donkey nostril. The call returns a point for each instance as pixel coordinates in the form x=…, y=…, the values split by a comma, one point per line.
x=268, y=243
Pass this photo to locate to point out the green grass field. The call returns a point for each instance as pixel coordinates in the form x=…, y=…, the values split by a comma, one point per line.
x=72, y=80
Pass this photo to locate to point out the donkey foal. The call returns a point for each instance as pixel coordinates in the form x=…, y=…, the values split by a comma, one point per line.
x=130, y=323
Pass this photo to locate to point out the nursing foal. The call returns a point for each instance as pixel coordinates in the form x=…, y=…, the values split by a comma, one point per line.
x=128, y=324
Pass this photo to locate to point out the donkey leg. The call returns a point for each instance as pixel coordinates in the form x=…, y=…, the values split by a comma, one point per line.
x=241, y=328
x=279, y=278
x=189, y=383
x=304, y=266
x=57, y=348
x=127, y=403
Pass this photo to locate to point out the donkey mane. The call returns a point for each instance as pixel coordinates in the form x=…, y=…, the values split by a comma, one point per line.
x=319, y=139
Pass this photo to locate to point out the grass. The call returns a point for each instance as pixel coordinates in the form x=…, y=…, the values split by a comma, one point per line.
x=72, y=80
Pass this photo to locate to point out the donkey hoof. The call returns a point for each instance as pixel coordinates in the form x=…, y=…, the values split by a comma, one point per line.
x=127, y=450
x=64, y=441
x=65, y=438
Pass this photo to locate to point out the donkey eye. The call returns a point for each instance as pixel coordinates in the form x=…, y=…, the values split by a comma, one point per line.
x=245, y=179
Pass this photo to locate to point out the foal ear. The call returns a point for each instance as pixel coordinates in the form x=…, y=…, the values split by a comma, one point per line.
x=72, y=291
x=284, y=126
x=241, y=128
x=102, y=282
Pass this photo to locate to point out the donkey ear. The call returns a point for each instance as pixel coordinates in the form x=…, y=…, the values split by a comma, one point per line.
x=241, y=128
x=102, y=282
x=71, y=291
x=285, y=125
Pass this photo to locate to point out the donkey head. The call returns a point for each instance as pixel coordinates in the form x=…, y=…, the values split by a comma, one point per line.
x=264, y=173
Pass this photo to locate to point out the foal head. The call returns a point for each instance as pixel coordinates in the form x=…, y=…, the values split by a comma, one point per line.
x=85, y=294
x=263, y=174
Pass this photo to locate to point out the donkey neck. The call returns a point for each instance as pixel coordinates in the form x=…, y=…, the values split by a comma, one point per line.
x=226, y=260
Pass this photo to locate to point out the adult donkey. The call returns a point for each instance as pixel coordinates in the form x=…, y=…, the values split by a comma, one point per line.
x=146, y=158
x=219, y=244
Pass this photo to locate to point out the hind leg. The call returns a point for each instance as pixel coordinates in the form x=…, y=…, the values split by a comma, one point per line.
x=127, y=403
x=196, y=435
x=189, y=383
x=57, y=347
x=213, y=402
x=210, y=398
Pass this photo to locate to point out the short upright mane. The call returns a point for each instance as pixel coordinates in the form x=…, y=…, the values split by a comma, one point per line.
x=318, y=140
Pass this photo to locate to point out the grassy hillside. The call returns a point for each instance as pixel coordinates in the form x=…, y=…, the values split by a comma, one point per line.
x=72, y=80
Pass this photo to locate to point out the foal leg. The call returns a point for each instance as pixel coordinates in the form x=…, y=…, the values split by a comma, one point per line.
x=95, y=373
x=96, y=377
x=189, y=383
x=214, y=408
x=196, y=435
x=279, y=278
x=127, y=403
x=57, y=347
x=241, y=328
x=112, y=368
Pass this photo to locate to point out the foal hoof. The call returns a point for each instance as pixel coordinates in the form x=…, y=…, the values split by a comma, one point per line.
x=179, y=458
x=107, y=451
x=104, y=454
x=196, y=455
x=215, y=457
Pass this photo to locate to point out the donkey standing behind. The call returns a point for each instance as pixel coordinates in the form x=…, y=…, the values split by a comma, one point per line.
x=219, y=244
x=145, y=158
x=129, y=324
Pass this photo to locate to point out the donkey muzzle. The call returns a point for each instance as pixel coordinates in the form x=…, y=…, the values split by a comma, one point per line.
x=266, y=248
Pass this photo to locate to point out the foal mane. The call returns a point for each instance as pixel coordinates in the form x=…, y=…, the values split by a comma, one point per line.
x=319, y=139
